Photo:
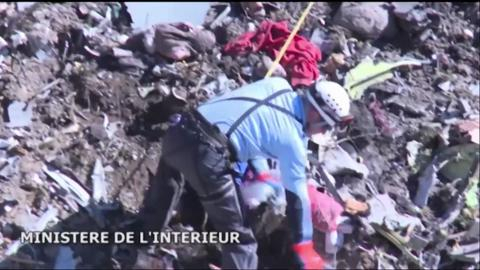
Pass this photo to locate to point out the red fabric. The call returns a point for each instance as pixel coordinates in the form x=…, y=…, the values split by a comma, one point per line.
x=264, y=176
x=300, y=60
x=308, y=255
x=325, y=210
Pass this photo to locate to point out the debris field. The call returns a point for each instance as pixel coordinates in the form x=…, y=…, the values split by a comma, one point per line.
x=85, y=99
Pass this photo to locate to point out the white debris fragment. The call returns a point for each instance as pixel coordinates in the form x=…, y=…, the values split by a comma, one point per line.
x=98, y=180
x=81, y=196
x=19, y=38
x=468, y=34
x=3, y=43
x=8, y=143
x=47, y=217
x=445, y=86
x=145, y=90
x=19, y=114
x=412, y=148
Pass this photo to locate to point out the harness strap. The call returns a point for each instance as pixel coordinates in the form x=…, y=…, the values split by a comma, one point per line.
x=259, y=102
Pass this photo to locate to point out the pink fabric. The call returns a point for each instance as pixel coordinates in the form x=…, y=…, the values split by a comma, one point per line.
x=325, y=210
x=300, y=60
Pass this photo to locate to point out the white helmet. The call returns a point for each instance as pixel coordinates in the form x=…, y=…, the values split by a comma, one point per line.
x=331, y=101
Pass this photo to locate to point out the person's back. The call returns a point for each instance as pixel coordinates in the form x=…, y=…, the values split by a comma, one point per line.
x=258, y=134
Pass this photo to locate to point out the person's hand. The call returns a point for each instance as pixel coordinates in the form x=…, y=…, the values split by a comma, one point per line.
x=307, y=257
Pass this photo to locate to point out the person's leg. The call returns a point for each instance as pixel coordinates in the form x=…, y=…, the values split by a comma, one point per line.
x=205, y=166
x=162, y=197
x=225, y=211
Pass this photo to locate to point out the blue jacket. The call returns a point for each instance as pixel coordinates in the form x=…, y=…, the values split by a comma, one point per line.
x=268, y=133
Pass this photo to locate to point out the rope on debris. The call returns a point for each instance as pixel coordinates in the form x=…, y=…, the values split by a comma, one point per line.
x=289, y=39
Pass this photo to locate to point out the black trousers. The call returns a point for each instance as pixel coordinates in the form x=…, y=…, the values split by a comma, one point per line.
x=191, y=151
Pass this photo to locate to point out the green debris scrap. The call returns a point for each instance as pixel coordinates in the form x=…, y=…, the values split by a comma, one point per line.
x=471, y=196
x=368, y=73
x=461, y=159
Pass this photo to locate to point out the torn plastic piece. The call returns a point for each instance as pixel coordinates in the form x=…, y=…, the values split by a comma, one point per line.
x=382, y=210
x=218, y=21
x=475, y=89
x=338, y=161
x=412, y=148
x=368, y=73
x=65, y=258
x=8, y=143
x=145, y=90
x=445, y=86
x=110, y=127
x=98, y=180
x=19, y=114
x=81, y=196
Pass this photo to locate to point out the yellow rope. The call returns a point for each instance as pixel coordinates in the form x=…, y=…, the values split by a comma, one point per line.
x=289, y=39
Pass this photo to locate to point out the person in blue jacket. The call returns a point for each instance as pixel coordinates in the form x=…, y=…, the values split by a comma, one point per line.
x=265, y=119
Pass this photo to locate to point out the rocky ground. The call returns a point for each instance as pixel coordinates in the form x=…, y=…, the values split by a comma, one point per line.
x=76, y=109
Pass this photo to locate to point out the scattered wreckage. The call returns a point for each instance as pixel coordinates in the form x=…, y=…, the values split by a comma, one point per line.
x=85, y=100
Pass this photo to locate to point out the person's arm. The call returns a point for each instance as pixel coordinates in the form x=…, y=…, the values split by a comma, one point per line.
x=292, y=154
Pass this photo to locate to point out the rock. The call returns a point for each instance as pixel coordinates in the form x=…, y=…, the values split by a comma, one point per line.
x=117, y=52
x=369, y=20
x=322, y=41
x=264, y=66
x=410, y=19
x=335, y=61
x=253, y=9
